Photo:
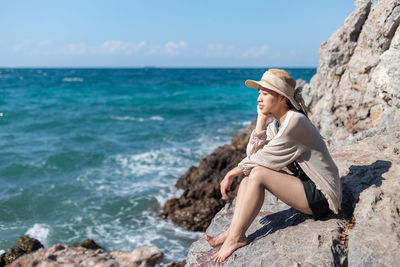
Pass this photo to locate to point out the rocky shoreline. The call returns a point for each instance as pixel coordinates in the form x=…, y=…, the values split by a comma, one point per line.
x=30, y=252
x=354, y=100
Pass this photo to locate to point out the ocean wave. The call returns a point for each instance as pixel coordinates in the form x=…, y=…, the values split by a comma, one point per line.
x=40, y=232
x=129, y=118
x=147, y=230
x=161, y=161
x=72, y=79
x=168, y=193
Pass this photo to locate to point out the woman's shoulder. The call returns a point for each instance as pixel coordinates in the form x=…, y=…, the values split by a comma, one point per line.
x=296, y=117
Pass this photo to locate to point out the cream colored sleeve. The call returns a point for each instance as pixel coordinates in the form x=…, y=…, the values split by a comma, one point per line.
x=277, y=153
x=258, y=140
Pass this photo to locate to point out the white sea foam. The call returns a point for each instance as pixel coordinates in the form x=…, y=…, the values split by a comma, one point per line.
x=157, y=118
x=148, y=230
x=2, y=251
x=161, y=161
x=129, y=118
x=40, y=232
x=168, y=193
x=72, y=79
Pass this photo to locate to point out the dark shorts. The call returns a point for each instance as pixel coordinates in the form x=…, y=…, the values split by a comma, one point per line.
x=316, y=200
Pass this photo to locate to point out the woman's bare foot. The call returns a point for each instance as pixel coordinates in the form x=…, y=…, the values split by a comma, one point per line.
x=215, y=241
x=229, y=246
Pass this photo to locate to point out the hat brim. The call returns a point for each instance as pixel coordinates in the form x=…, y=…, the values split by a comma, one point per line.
x=258, y=84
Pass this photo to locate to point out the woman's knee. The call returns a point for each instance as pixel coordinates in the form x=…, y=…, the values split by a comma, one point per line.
x=257, y=175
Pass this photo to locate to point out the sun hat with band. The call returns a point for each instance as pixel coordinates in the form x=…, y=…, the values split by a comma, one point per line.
x=282, y=83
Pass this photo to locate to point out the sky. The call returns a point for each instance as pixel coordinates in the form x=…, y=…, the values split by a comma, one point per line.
x=167, y=33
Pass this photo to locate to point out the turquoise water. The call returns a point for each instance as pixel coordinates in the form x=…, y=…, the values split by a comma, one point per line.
x=94, y=153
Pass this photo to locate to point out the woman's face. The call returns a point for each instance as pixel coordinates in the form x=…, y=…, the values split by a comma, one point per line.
x=268, y=101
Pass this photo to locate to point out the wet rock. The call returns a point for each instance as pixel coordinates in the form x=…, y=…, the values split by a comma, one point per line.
x=79, y=256
x=175, y=264
x=201, y=200
x=88, y=243
x=25, y=244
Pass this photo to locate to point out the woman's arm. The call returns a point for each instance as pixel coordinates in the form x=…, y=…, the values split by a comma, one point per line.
x=228, y=180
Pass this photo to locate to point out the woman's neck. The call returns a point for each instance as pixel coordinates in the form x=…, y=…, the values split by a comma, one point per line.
x=280, y=115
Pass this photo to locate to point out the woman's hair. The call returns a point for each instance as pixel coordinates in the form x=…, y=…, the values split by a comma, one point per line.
x=290, y=106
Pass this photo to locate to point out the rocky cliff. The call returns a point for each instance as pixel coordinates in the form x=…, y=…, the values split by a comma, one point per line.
x=354, y=100
x=282, y=236
x=356, y=91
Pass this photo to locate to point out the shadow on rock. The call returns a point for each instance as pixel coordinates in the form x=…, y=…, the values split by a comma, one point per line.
x=277, y=221
x=359, y=178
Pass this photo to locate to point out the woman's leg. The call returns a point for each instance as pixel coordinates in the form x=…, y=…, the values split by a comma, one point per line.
x=218, y=240
x=286, y=187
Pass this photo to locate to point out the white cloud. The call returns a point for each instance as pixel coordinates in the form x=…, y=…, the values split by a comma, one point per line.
x=116, y=46
x=74, y=49
x=256, y=51
x=174, y=49
x=169, y=48
x=107, y=47
x=44, y=43
x=23, y=45
x=219, y=50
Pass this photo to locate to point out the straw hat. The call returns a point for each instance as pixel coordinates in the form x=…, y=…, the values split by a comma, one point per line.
x=280, y=82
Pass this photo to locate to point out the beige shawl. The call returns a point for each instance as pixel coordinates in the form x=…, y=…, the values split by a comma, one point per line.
x=297, y=140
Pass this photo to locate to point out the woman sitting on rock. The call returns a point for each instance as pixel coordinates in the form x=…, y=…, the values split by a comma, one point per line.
x=283, y=137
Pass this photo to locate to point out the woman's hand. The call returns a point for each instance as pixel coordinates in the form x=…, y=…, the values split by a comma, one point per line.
x=226, y=183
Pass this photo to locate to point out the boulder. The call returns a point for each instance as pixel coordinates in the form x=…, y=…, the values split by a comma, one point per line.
x=356, y=90
x=282, y=236
x=25, y=244
x=79, y=256
x=201, y=200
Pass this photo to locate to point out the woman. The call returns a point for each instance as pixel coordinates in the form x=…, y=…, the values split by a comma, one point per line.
x=283, y=137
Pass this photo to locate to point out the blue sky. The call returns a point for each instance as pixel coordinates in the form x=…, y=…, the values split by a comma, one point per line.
x=167, y=33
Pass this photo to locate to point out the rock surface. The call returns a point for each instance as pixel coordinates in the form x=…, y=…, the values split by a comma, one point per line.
x=201, y=200
x=25, y=244
x=357, y=84
x=79, y=256
x=354, y=100
x=281, y=236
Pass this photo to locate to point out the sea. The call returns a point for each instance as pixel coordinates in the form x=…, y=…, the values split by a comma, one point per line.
x=95, y=153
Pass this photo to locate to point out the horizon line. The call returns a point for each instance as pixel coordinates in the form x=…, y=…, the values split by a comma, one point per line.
x=156, y=67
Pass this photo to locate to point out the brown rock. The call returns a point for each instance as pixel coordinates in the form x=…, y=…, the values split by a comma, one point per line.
x=25, y=244
x=88, y=243
x=79, y=256
x=201, y=200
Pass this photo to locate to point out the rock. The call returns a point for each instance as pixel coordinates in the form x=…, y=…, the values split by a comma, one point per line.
x=79, y=256
x=375, y=238
x=201, y=199
x=25, y=244
x=282, y=236
x=88, y=243
x=175, y=264
x=357, y=84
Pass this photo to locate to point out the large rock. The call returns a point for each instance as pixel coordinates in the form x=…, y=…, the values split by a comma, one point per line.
x=281, y=236
x=25, y=244
x=375, y=238
x=356, y=91
x=201, y=200
x=64, y=255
